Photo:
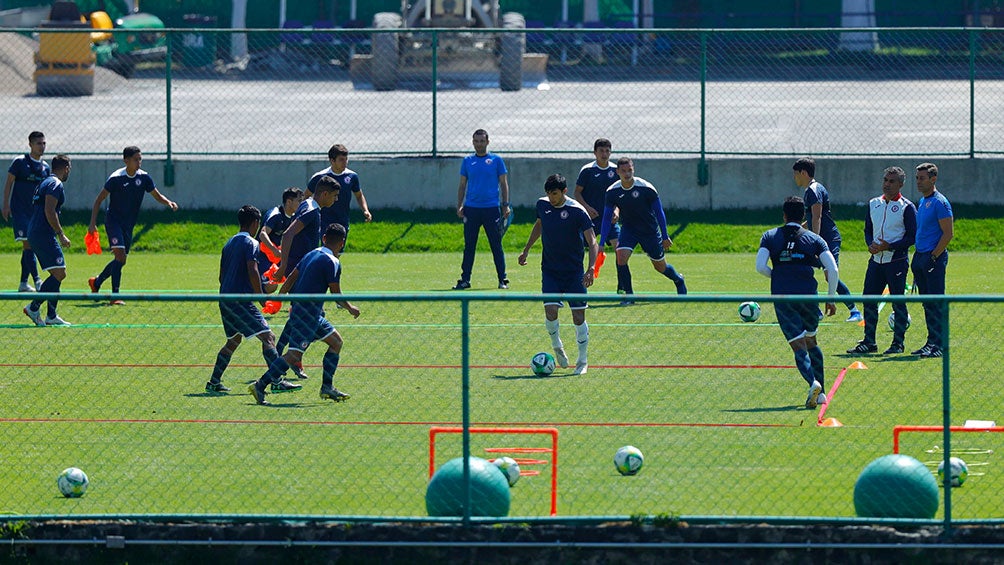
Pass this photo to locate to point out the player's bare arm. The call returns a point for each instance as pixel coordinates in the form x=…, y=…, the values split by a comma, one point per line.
x=504, y=195
x=534, y=236
x=287, y=240
x=53, y=219
x=6, y=196
x=593, y=214
x=92, y=227
x=461, y=194
x=159, y=197
x=336, y=288
x=361, y=200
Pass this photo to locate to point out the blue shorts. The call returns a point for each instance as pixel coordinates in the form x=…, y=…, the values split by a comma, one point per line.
x=47, y=251
x=652, y=246
x=797, y=319
x=242, y=318
x=568, y=283
x=20, y=222
x=119, y=237
x=615, y=230
x=301, y=330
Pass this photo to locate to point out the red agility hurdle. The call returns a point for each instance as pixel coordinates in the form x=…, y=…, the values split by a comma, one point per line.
x=553, y=450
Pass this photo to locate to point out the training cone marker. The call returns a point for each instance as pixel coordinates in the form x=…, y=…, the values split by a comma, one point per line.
x=830, y=423
x=857, y=365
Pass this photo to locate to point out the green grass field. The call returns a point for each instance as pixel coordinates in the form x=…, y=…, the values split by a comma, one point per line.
x=714, y=404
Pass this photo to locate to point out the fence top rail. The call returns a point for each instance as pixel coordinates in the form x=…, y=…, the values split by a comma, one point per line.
x=503, y=297
x=573, y=30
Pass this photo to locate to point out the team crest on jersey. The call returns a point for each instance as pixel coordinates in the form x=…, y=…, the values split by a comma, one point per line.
x=564, y=214
x=488, y=161
x=59, y=260
x=611, y=174
x=115, y=241
x=895, y=208
x=635, y=194
x=927, y=204
x=138, y=182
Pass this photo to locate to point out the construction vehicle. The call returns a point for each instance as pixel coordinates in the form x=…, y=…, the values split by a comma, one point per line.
x=64, y=62
x=469, y=54
x=134, y=38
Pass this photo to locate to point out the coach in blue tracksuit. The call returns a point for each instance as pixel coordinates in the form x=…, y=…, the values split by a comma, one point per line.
x=482, y=202
x=890, y=229
x=935, y=229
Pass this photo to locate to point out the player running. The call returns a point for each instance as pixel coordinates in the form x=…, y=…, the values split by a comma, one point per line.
x=319, y=272
x=47, y=239
x=563, y=225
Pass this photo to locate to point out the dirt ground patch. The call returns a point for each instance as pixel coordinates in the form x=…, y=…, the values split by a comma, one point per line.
x=17, y=65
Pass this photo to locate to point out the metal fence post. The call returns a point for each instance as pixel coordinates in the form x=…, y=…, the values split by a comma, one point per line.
x=169, y=163
x=972, y=93
x=465, y=371
x=435, y=76
x=702, y=165
x=946, y=421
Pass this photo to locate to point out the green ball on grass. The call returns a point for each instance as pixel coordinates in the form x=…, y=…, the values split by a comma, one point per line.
x=896, y=486
x=490, y=495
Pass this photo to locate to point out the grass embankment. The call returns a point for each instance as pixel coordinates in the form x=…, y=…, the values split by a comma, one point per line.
x=977, y=228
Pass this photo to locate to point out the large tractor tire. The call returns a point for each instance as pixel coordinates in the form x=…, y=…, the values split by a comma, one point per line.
x=385, y=51
x=513, y=45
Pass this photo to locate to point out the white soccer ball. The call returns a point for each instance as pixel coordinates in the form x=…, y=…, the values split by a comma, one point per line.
x=959, y=471
x=542, y=363
x=509, y=468
x=628, y=460
x=72, y=483
x=749, y=311
x=892, y=320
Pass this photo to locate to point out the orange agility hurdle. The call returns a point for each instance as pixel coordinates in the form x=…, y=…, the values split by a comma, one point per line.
x=553, y=450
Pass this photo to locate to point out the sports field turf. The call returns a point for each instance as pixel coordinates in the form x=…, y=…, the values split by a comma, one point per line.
x=714, y=404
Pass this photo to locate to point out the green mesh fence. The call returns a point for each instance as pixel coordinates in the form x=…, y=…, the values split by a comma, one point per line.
x=714, y=404
x=415, y=91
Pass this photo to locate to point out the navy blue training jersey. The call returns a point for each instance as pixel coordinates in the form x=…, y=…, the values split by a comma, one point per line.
x=595, y=181
x=309, y=238
x=277, y=222
x=636, y=207
x=125, y=195
x=318, y=269
x=794, y=255
x=28, y=173
x=337, y=213
x=561, y=235
x=238, y=250
x=39, y=224
x=816, y=193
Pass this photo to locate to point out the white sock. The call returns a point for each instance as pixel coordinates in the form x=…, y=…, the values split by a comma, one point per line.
x=582, y=337
x=552, y=330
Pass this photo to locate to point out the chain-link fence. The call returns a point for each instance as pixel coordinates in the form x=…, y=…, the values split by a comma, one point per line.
x=410, y=91
x=715, y=405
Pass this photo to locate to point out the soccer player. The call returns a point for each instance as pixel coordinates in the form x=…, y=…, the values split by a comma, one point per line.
x=125, y=189
x=482, y=202
x=319, y=272
x=304, y=232
x=935, y=229
x=795, y=252
x=276, y=222
x=643, y=222
x=591, y=187
x=819, y=220
x=890, y=229
x=23, y=176
x=239, y=275
x=563, y=225
x=338, y=213
x=47, y=239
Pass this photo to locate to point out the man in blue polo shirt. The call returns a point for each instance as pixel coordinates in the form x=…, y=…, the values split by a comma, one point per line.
x=564, y=226
x=482, y=202
x=125, y=189
x=318, y=272
x=45, y=232
x=23, y=177
x=935, y=229
x=794, y=253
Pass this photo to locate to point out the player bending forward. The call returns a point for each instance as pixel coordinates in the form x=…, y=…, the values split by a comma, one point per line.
x=318, y=272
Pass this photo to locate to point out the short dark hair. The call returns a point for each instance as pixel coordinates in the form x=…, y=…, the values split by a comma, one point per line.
x=291, y=193
x=35, y=135
x=930, y=168
x=555, y=182
x=483, y=132
x=602, y=142
x=130, y=151
x=794, y=209
x=805, y=164
x=900, y=173
x=60, y=161
x=337, y=150
x=334, y=233
x=624, y=161
x=248, y=215
x=327, y=184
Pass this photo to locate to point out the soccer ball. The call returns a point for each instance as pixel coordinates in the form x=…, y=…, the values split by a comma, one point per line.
x=509, y=468
x=749, y=311
x=72, y=483
x=892, y=320
x=542, y=364
x=628, y=460
x=959, y=470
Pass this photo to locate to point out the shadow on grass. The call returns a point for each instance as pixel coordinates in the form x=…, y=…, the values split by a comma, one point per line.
x=532, y=376
x=768, y=409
